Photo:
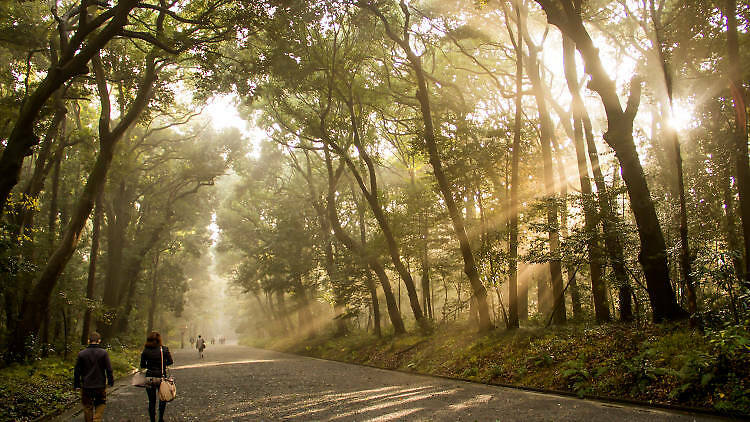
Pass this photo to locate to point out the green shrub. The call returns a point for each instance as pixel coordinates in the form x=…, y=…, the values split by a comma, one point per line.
x=45, y=386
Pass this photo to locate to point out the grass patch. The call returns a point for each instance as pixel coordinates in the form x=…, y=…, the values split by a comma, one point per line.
x=31, y=390
x=670, y=364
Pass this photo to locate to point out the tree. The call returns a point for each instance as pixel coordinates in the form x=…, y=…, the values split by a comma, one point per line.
x=70, y=60
x=470, y=268
x=108, y=138
x=591, y=217
x=619, y=135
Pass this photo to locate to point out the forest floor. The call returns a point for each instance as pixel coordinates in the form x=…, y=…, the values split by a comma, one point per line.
x=657, y=364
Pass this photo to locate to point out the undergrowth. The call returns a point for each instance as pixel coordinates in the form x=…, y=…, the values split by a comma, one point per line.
x=670, y=364
x=30, y=390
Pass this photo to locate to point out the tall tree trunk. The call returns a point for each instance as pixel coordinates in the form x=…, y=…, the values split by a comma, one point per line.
x=371, y=195
x=470, y=212
x=278, y=310
x=740, y=130
x=731, y=231
x=42, y=291
x=154, y=294
x=425, y=277
x=305, y=319
x=118, y=220
x=415, y=62
x=591, y=216
x=619, y=136
x=370, y=282
x=612, y=234
x=366, y=256
x=424, y=261
x=570, y=265
x=671, y=134
x=40, y=297
x=547, y=131
x=93, y=259
x=330, y=267
x=513, y=294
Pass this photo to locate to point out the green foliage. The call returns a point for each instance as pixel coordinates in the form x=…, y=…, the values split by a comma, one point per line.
x=31, y=390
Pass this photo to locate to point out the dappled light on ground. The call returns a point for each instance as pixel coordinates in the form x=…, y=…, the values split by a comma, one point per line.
x=245, y=384
x=206, y=364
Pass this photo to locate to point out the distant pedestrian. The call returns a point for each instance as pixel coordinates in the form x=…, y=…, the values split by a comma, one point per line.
x=92, y=374
x=213, y=341
x=192, y=341
x=155, y=358
x=200, y=344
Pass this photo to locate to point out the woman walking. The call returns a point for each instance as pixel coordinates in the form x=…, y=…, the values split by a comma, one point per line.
x=155, y=358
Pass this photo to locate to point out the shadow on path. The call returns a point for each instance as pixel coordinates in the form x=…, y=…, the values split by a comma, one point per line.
x=236, y=383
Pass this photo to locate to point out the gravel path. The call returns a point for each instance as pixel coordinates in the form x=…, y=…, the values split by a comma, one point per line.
x=234, y=383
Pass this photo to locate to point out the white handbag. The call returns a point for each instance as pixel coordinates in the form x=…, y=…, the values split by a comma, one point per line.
x=138, y=380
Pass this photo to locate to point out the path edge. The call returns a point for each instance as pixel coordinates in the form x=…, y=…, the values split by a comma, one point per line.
x=69, y=407
x=687, y=410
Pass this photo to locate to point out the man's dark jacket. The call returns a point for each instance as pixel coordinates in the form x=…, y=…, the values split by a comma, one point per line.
x=93, y=368
x=151, y=360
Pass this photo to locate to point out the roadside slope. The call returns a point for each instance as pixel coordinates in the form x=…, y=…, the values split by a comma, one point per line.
x=669, y=365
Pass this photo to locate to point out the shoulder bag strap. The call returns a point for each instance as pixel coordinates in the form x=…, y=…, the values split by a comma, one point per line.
x=162, y=369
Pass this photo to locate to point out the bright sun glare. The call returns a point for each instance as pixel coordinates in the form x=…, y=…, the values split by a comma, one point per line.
x=682, y=116
x=223, y=113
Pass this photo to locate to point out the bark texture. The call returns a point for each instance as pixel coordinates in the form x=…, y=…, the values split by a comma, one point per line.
x=619, y=136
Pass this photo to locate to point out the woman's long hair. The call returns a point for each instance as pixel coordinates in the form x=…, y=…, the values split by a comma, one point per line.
x=153, y=339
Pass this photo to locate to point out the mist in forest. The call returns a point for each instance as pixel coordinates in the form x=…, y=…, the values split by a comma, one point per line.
x=373, y=174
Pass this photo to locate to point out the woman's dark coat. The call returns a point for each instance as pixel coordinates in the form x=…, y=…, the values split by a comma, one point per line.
x=151, y=360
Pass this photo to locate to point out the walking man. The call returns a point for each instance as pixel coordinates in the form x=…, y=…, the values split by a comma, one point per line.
x=200, y=344
x=93, y=372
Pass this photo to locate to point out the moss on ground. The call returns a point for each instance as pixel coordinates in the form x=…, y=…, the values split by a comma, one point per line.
x=670, y=364
x=45, y=386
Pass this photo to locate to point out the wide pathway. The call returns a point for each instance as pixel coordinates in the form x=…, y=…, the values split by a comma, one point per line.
x=234, y=383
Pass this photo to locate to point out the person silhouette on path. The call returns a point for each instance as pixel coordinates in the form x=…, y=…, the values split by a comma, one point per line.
x=155, y=358
x=200, y=344
x=92, y=374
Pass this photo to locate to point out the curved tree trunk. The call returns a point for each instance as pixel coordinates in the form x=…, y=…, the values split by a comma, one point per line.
x=619, y=136
x=591, y=216
x=330, y=267
x=40, y=298
x=93, y=259
x=470, y=267
x=555, y=265
x=367, y=257
x=73, y=62
x=371, y=195
x=370, y=282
